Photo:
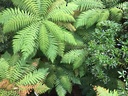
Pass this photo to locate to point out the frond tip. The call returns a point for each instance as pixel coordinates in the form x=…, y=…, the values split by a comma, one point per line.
x=33, y=78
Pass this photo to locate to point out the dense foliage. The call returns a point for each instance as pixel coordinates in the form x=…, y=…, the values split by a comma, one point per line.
x=56, y=44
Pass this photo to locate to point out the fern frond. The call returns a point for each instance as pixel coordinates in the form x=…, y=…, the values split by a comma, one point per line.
x=17, y=19
x=116, y=14
x=55, y=30
x=88, y=4
x=71, y=56
x=59, y=16
x=69, y=38
x=61, y=5
x=57, y=4
x=25, y=40
x=66, y=83
x=104, y=15
x=33, y=78
x=16, y=72
x=79, y=61
x=29, y=5
x=43, y=39
x=68, y=26
x=45, y=4
x=38, y=88
x=61, y=48
x=50, y=80
x=14, y=59
x=88, y=18
x=59, y=89
x=3, y=68
x=52, y=49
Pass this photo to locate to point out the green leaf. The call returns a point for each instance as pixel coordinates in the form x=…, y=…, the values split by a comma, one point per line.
x=43, y=39
x=55, y=30
x=33, y=78
x=88, y=4
x=71, y=56
x=28, y=5
x=26, y=40
x=52, y=51
x=59, y=16
x=88, y=18
x=60, y=90
x=78, y=62
x=66, y=83
x=104, y=15
x=17, y=19
x=3, y=68
x=69, y=38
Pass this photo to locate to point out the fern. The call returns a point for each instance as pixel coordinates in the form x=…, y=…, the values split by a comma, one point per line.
x=116, y=14
x=33, y=78
x=4, y=67
x=21, y=77
x=71, y=56
x=45, y=4
x=88, y=18
x=88, y=4
x=60, y=77
x=52, y=50
x=66, y=83
x=43, y=38
x=33, y=21
x=26, y=42
x=59, y=89
x=29, y=5
x=57, y=16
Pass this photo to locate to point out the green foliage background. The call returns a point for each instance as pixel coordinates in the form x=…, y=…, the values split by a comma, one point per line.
x=56, y=44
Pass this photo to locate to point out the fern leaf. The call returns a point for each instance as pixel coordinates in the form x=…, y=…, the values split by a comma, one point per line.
x=17, y=19
x=103, y=16
x=61, y=5
x=29, y=5
x=39, y=88
x=88, y=18
x=61, y=48
x=25, y=40
x=66, y=83
x=50, y=80
x=33, y=78
x=69, y=38
x=71, y=56
x=43, y=39
x=53, y=48
x=116, y=14
x=20, y=20
x=68, y=26
x=60, y=90
x=14, y=59
x=57, y=15
x=88, y=4
x=78, y=62
x=45, y=4
x=57, y=4
x=55, y=30
x=3, y=68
